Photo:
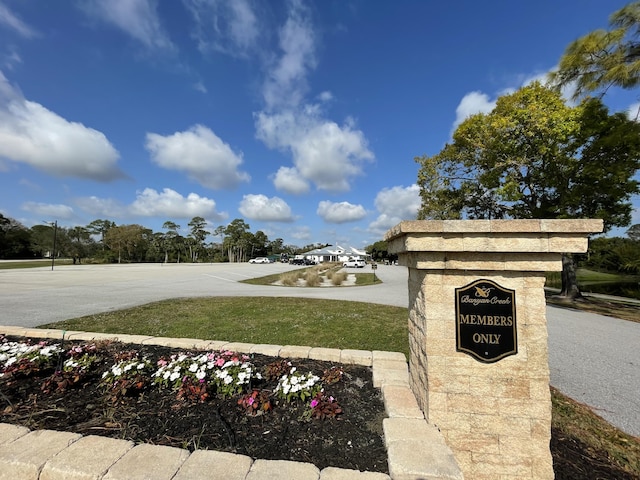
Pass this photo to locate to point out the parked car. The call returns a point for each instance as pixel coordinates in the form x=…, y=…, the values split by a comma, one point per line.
x=260, y=260
x=354, y=263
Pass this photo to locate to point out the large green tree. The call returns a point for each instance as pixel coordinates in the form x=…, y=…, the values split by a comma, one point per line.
x=604, y=58
x=15, y=241
x=237, y=240
x=533, y=156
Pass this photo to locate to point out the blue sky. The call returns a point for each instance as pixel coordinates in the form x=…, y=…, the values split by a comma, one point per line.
x=303, y=118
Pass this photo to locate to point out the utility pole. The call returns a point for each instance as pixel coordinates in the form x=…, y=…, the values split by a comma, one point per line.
x=55, y=235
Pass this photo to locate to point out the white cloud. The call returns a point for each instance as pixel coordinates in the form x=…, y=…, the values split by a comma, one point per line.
x=137, y=18
x=200, y=153
x=150, y=203
x=8, y=19
x=290, y=181
x=101, y=207
x=11, y=59
x=472, y=103
x=47, y=210
x=341, y=212
x=262, y=208
x=325, y=96
x=286, y=84
x=31, y=134
x=200, y=87
x=325, y=153
x=395, y=205
x=302, y=233
x=169, y=203
x=227, y=27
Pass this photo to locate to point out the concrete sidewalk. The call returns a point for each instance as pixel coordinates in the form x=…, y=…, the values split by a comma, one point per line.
x=415, y=449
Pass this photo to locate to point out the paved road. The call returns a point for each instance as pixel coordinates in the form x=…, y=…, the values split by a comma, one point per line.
x=593, y=359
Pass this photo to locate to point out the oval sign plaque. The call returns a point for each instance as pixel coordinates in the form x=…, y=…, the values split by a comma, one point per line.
x=486, y=321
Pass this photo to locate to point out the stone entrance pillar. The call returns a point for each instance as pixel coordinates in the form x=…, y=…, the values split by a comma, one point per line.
x=478, y=335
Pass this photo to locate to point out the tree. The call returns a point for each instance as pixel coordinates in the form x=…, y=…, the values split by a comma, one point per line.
x=259, y=243
x=219, y=232
x=41, y=238
x=236, y=241
x=170, y=239
x=15, y=241
x=100, y=228
x=130, y=241
x=198, y=235
x=80, y=243
x=604, y=58
x=379, y=250
x=535, y=157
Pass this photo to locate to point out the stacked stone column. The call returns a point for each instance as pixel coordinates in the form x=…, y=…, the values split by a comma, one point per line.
x=496, y=417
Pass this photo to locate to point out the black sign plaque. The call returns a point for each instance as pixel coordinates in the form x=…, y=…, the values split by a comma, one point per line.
x=486, y=321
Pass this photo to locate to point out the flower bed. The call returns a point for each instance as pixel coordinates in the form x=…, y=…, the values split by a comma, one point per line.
x=256, y=405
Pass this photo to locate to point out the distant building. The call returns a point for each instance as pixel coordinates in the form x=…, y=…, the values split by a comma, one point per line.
x=336, y=254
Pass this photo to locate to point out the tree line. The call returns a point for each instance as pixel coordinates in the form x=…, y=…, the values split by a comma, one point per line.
x=105, y=241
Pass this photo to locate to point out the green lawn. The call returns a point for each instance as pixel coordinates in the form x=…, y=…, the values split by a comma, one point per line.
x=278, y=321
x=8, y=265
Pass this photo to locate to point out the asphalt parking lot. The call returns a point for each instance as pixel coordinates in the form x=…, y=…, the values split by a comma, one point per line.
x=31, y=297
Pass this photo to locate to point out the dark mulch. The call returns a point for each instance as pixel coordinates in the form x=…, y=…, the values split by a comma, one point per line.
x=352, y=440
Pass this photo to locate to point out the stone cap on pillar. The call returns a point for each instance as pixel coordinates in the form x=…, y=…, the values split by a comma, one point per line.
x=533, y=244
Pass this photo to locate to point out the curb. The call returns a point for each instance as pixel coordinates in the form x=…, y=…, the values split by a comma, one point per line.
x=415, y=449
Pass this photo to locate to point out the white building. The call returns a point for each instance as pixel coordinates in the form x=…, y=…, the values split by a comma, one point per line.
x=336, y=254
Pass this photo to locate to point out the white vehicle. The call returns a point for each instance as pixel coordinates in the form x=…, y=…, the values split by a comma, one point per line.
x=354, y=263
x=260, y=260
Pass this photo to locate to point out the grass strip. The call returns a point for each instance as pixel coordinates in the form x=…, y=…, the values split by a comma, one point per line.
x=10, y=265
x=272, y=320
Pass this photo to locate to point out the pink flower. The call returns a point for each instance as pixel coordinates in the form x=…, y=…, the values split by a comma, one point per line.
x=314, y=403
x=220, y=362
x=250, y=401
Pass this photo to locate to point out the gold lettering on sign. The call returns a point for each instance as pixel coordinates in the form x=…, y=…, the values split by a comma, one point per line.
x=489, y=320
x=490, y=338
x=486, y=301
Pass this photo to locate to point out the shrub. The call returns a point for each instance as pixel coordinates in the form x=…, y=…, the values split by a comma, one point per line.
x=313, y=278
x=338, y=278
x=290, y=279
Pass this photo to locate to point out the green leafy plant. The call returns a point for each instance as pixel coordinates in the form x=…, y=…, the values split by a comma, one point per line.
x=74, y=369
x=24, y=358
x=298, y=385
x=129, y=376
x=190, y=375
